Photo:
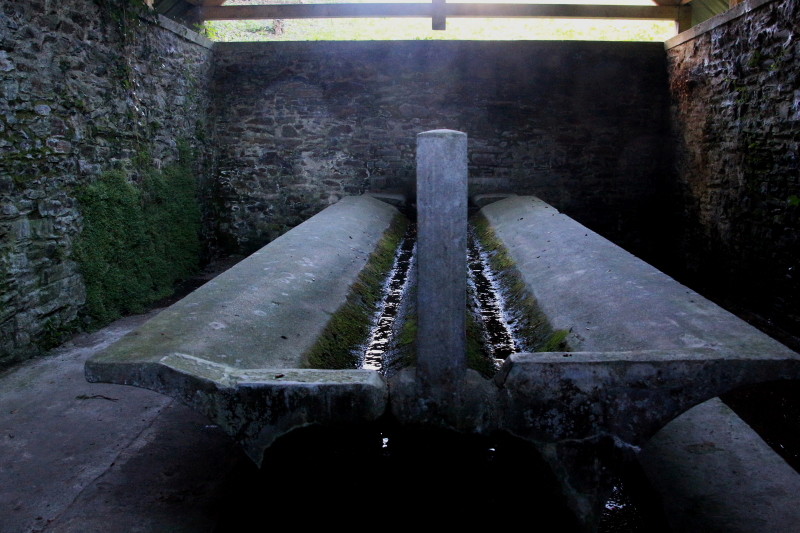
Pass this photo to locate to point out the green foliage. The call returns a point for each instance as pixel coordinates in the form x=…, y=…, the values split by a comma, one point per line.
x=125, y=19
x=349, y=326
x=23, y=165
x=793, y=200
x=420, y=29
x=137, y=239
x=208, y=30
x=457, y=29
x=123, y=15
x=755, y=59
x=55, y=333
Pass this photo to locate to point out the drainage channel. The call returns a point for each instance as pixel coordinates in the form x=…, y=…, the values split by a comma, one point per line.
x=485, y=302
x=488, y=303
x=395, y=289
x=631, y=507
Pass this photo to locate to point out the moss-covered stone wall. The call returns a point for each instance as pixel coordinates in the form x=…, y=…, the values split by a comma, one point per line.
x=93, y=94
x=735, y=86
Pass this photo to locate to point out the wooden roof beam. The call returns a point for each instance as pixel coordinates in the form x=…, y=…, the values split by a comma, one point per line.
x=207, y=2
x=427, y=10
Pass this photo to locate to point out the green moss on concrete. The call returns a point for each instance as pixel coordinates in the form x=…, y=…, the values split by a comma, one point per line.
x=408, y=333
x=556, y=342
x=138, y=238
x=478, y=356
x=531, y=326
x=348, y=329
x=403, y=351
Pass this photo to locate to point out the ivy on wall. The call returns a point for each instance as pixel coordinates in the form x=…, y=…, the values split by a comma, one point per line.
x=139, y=236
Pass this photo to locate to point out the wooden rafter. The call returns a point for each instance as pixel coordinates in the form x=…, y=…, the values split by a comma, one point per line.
x=300, y=11
x=439, y=10
x=207, y=2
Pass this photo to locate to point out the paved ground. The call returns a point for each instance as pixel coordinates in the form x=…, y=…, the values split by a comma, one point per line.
x=81, y=457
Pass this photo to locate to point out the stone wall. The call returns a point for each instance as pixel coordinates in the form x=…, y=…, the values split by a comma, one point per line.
x=299, y=125
x=88, y=86
x=735, y=84
x=85, y=87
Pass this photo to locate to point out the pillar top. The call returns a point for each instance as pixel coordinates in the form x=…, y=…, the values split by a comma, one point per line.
x=442, y=133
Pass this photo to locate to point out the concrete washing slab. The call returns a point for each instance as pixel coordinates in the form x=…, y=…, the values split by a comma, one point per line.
x=236, y=348
x=642, y=350
x=642, y=347
x=93, y=457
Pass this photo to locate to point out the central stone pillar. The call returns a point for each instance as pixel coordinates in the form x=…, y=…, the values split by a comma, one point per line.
x=441, y=391
x=441, y=262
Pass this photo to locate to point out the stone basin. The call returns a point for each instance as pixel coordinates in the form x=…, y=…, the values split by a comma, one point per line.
x=641, y=348
x=236, y=349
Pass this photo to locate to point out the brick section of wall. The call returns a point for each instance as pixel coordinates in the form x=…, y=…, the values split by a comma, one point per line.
x=299, y=125
x=84, y=86
x=736, y=113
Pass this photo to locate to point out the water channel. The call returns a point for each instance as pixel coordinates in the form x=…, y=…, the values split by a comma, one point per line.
x=386, y=474
x=454, y=469
x=394, y=291
x=484, y=300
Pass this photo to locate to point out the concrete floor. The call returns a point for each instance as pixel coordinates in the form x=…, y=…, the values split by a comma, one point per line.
x=81, y=457
x=92, y=458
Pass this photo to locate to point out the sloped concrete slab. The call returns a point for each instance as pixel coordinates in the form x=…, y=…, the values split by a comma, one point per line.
x=607, y=298
x=716, y=475
x=642, y=348
x=235, y=348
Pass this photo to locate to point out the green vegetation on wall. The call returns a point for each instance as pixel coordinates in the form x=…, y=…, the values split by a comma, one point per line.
x=139, y=236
